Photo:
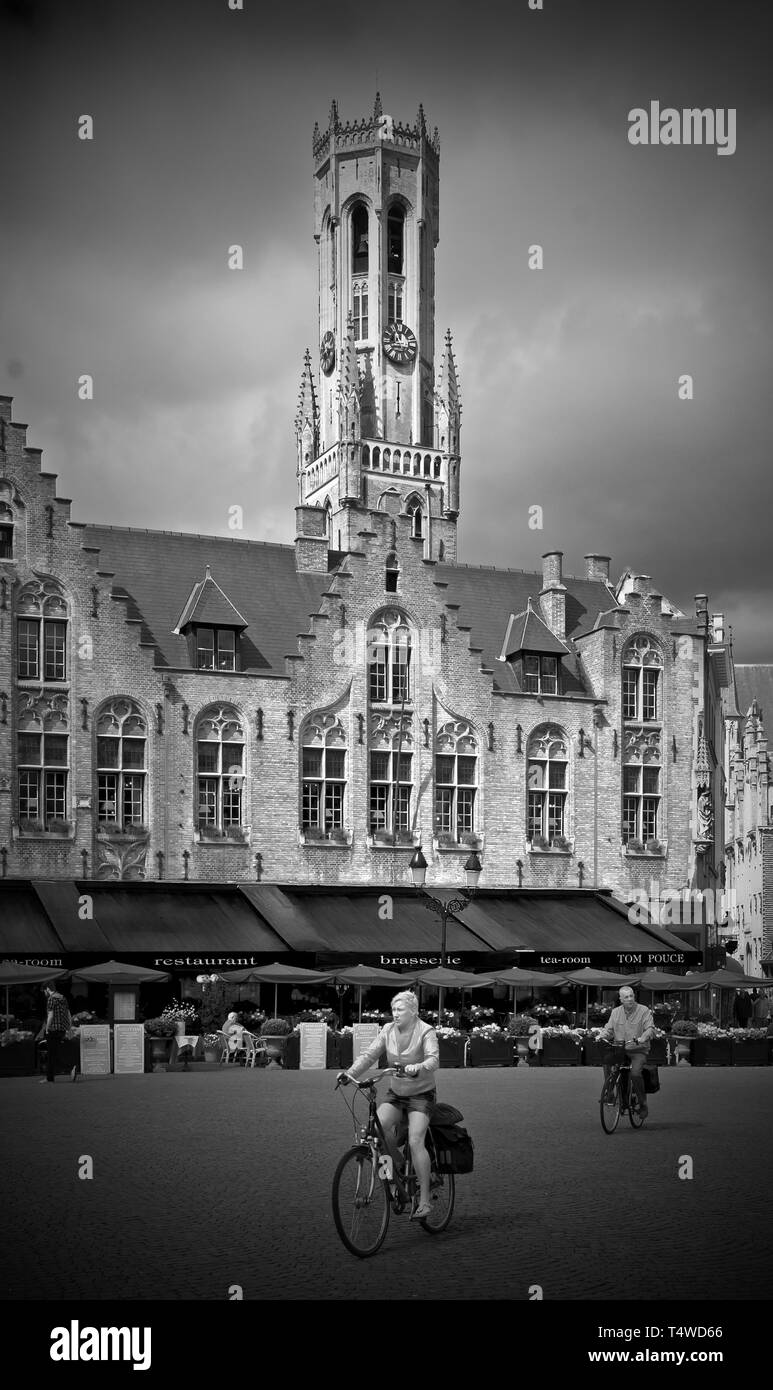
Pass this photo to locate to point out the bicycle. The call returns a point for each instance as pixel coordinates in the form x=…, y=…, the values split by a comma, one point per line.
x=368, y=1185
x=618, y=1096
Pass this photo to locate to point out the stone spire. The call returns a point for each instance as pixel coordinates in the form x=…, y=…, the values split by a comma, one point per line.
x=378, y=109
x=448, y=401
x=307, y=416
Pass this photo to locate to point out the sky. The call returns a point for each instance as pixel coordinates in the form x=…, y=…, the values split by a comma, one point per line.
x=114, y=262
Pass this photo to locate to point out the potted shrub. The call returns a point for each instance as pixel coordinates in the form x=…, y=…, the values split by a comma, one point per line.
x=490, y=1046
x=277, y=1032
x=658, y=1053
x=635, y=847
x=562, y=843
x=540, y=843
x=654, y=847
x=519, y=1030
x=161, y=1033
x=213, y=1047
x=683, y=1033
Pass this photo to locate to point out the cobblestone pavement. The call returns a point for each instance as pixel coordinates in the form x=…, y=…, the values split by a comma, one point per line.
x=214, y=1178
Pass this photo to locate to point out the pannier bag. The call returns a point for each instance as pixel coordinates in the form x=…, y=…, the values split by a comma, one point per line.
x=651, y=1078
x=454, y=1148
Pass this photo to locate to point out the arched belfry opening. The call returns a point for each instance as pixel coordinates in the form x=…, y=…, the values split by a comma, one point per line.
x=360, y=244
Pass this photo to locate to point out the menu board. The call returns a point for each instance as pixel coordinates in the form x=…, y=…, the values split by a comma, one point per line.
x=129, y=1047
x=313, y=1046
x=95, y=1049
x=363, y=1034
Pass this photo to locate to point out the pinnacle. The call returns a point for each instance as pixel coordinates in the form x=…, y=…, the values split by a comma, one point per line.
x=378, y=109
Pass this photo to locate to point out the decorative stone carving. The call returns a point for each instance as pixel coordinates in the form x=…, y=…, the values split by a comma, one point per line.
x=705, y=815
x=456, y=737
x=641, y=745
x=48, y=710
x=117, y=861
x=389, y=728
x=42, y=595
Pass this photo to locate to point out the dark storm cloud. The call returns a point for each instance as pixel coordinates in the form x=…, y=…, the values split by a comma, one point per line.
x=113, y=256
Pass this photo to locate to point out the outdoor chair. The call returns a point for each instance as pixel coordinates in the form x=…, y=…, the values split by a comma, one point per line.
x=255, y=1048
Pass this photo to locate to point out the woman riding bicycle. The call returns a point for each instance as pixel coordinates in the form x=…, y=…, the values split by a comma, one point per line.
x=413, y=1047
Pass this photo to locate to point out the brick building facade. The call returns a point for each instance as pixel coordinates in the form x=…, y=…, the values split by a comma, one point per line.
x=189, y=707
x=749, y=820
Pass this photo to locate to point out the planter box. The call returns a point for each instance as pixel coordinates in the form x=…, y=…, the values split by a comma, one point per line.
x=711, y=1052
x=560, y=1052
x=452, y=1051
x=592, y=1054
x=160, y=1053
x=18, y=1059
x=754, y=1052
x=344, y=1046
x=658, y=1053
x=286, y=1048
x=497, y=1052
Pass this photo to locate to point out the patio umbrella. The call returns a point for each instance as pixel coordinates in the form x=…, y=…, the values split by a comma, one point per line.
x=364, y=975
x=276, y=975
x=588, y=976
x=442, y=978
x=118, y=972
x=12, y=973
x=517, y=975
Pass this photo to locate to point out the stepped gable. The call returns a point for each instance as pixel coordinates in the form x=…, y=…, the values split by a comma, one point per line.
x=755, y=682
x=156, y=573
x=487, y=598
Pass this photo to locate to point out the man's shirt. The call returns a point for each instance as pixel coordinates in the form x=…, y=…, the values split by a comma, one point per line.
x=625, y=1027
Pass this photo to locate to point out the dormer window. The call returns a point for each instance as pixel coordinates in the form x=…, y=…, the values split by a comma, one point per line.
x=215, y=649
x=540, y=675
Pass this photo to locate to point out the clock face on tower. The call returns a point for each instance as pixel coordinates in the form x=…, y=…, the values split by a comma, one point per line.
x=327, y=353
x=399, y=342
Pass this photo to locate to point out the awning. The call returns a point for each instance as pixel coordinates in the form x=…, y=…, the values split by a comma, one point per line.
x=25, y=927
x=172, y=920
x=362, y=922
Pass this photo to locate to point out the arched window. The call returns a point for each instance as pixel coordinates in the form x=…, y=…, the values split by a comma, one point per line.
x=396, y=461
x=220, y=770
x=392, y=574
x=121, y=776
x=642, y=756
x=41, y=632
x=547, y=780
x=360, y=308
x=414, y=511
x=389, y=659
x=328, y=519
x=323, y=795
x=391, y=774
x=366, y=456
x=642, y=667
x=395, y=231
x=456, y=780
x=359, y=239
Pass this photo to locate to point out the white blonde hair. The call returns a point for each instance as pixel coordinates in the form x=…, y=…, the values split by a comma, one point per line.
x=406, y=996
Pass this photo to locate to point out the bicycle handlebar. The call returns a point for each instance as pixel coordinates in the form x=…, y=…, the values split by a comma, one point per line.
x=370, y=1080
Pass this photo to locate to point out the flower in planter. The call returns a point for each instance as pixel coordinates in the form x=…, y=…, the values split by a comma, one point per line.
x=444, y=1032
x=540, y=842
x=521, y=1026
x=573, y=1034
x=748, y=1034
x=15, y=1035
x=212, y=1040
x=712, y=1030
x=635, y=846
x=684, y=1028
x=653, y=847
x=489, y=1031
x=180, y=1013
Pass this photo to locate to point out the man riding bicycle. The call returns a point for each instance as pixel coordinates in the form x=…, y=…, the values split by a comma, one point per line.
x=412, y=1046
x=631, y=1026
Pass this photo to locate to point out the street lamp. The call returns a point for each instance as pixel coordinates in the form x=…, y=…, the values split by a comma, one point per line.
x=473, y=870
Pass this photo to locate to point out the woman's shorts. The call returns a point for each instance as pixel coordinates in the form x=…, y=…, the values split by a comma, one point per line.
x=422, y=1103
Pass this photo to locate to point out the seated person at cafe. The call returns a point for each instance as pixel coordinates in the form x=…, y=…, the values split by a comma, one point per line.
x=233, y=1031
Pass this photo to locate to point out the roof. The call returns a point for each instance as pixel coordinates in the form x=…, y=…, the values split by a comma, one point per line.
x=486, y=596
x=528, y=632
x=155, y=572
x=755, y=682
x=208, y=604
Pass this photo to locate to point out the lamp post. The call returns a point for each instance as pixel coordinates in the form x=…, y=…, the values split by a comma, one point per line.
x=473, y=870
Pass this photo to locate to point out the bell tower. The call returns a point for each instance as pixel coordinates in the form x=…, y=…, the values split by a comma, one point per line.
x=375, y=421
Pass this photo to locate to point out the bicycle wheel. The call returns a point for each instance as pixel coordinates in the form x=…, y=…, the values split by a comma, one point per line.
x=609, y=1105
x=442, y=1195
x=634, y=1113
x=360, y=1203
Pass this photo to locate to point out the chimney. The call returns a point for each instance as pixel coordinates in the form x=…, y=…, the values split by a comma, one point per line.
x=6, y=408
x=641, y=583
x=718, y=627
x=311, y=540
x=702, y=611
x=553, y=596
x=597, y=567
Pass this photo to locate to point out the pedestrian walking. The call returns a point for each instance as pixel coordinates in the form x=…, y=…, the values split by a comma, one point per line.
x=58, y=1023
x=742, y=1008
x=762, y=1010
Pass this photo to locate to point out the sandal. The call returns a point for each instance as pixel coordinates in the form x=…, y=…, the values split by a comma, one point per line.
x=421, y=1212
